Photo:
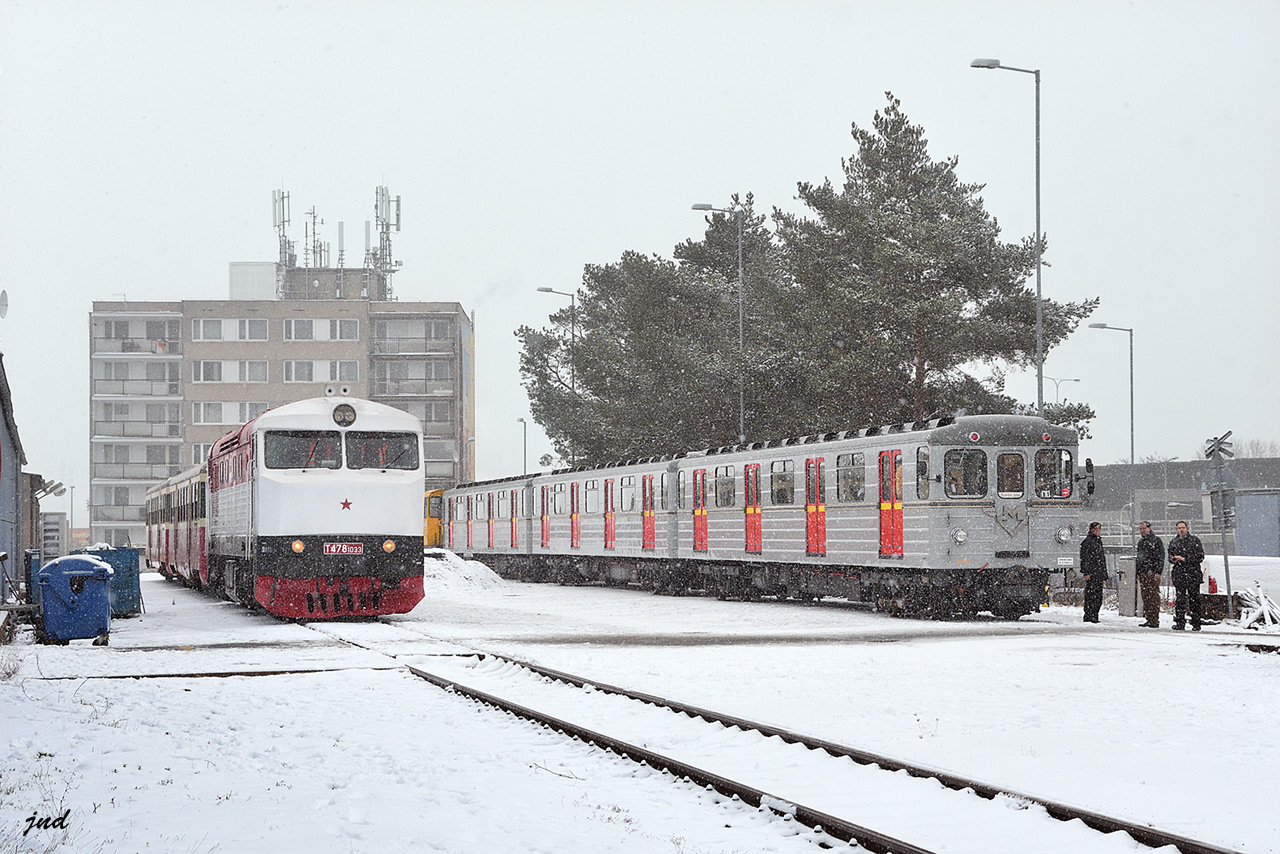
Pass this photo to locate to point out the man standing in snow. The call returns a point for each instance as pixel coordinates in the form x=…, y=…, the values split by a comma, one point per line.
x=1093, y=566
x=1186, y=554
x=1149, y=564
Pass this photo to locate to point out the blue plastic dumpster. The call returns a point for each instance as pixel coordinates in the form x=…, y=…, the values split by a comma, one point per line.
x=75, y=599
x=31, y=567
x=126, y=592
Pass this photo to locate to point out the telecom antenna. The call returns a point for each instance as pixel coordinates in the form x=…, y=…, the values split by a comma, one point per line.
x=384, y=264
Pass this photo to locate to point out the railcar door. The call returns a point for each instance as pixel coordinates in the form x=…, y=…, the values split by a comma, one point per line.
x=815, y=501
x=448, y=509
x=751, y=487
x=610, y=523
x=891, y=504
x=699, y=510
x=515, y=520
x=546, y=517
x=575, y=515
x=1013, y=531
x=647, y=535
x=470, y=514
x=489, y=519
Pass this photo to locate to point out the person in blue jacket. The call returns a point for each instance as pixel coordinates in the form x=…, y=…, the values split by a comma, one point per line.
x=1186, y=553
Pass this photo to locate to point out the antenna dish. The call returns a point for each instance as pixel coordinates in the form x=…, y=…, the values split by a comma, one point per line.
x=4, y=303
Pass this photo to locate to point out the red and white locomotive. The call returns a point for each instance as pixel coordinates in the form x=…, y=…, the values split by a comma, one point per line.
x=314, y=510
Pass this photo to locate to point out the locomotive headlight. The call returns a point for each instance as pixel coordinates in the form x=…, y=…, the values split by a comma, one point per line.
x=1063, y=535
x=389, y=546
x=344, y=415
x=960, y=536
x=298, y=547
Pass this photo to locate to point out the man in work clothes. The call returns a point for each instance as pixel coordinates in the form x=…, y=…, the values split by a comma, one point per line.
x=1186, y=554
x=1149, y=564
x=1093, y=566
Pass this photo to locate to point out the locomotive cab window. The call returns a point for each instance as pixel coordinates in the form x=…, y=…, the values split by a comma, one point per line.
x=1053, y=473
x=1011, y=475
x=302, y=449
x=965, y=473
x=382, y=450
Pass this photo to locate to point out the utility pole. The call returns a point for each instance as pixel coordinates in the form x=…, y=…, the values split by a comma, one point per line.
x=1218, y=449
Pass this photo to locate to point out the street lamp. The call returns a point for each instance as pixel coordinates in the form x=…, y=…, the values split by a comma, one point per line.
x=1057, y=383
x=995, y=63
x=573, y=333
x=1133, y=486
x=742, y=394
x=524, y=424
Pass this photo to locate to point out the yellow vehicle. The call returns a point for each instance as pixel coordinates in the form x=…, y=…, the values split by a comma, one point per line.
x=433, y=524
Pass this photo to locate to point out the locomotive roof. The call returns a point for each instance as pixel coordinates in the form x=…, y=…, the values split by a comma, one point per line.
x=950, y=430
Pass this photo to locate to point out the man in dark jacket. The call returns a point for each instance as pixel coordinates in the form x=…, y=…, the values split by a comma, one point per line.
x=1149, y=564
x=1093, y=566
x=1186, y=554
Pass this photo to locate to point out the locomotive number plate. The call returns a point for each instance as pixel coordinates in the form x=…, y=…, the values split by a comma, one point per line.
x=344, y=548
x=1066, y=561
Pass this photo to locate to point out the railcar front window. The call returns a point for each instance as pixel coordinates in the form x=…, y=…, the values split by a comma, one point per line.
x=1011, y=475
x=302, y=449
x=382, y=450
x=1054, y=477
x=966, y=473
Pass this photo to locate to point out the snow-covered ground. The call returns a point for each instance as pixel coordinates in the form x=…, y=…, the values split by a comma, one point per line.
x=338, y=750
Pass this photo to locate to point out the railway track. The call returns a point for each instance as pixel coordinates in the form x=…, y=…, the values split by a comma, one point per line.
x=837, y=788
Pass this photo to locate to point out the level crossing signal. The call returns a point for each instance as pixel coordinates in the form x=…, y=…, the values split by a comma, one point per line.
x=1218, y=447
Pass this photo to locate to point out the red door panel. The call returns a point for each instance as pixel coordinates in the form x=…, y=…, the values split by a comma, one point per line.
x=700, y=510
x=648, y=539
x=815, y=491
x=891, y=503
x=610, y=530
x=575, y=516
x=751, y=485
x=546, y=517
x=515, y=526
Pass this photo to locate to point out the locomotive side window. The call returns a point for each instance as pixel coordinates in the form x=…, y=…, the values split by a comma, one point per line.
x=725, y=493
x=382, y=450
x=1011, y=475
x=966, y=473
x=782, y=482
x=303, y=449
x=1053, y=473
x=851, y=478
x=922, y=471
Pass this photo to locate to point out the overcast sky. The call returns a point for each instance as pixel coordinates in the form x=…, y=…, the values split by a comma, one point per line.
x=140, y=143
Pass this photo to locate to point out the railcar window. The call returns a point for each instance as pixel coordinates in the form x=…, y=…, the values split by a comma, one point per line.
x=782, y=482
x=851, y=477
x=591, y=496
x=503, y=498
x=662, y=491
x=1011, y=475
x=1053, y=473
x=302, y=449
x=680, y=490
x=557, y=499
x=922, y=472
x=382, y=450
x=725, y=492
x=966, y=473
x=626, y=493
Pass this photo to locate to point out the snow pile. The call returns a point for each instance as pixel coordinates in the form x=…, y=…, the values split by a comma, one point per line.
x=445, y=571
x=1259, y=611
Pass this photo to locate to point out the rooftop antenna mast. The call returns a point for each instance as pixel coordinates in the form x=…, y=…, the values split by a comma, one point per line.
x=280, y=222
x=383, y=263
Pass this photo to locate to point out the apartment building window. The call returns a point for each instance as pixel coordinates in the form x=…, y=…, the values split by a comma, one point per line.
x=253, y=371
x=120, y=496
x=251, y=410
x=115, y=454
x=253, y=329
x=115, y=370
x=440, y=330
x=299, y=371
x=207, y=412
x=299, y=329
x=437, y=411
x=439, y=369
x=206, y=372
x=160, y=455
x=115, y=412
x=200, y=453
x=115, y=328
x=206, y=330
x=162, y=413
x=345, y=370
x=158, y=372
x=344, y=330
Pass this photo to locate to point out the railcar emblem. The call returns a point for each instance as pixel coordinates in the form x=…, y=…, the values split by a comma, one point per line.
x=1011, y=517
x=346, y=505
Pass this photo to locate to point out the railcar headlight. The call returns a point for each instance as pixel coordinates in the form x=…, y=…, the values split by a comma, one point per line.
x=389, y=546
x=960, y=536
x=298, y=547
x=1063, y=535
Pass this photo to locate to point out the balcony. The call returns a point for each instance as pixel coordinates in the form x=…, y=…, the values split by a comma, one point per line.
x=137, y=429
x=411, y=346
x=133, y=471
x=111, y=513
x=418, y=387
x=139, y=346
x=136, y=388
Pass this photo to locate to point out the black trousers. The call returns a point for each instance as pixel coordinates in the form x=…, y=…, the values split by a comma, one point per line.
x=1092, y=599
x=1188, y=594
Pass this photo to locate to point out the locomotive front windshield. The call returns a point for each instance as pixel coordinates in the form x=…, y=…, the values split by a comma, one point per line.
x=382, y=450
x=966, y=473
x=1053, y=473
x=302, y=449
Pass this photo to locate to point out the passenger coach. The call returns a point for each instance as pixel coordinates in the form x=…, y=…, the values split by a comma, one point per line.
x=952, y=516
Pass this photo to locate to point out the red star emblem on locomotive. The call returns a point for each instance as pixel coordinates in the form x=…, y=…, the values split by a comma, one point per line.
x=346, y=505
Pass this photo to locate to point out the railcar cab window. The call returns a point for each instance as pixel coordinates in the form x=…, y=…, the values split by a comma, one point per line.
x=782, y=482
x=851, y=478
x=725, y=493
x=302, y=449
x=1053, y=473
x=966, y=473
x=1011, y=475
x=382, y=450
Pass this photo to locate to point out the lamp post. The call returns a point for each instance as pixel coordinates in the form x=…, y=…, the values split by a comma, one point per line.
x=573, y=357
x=1057, y=384
x=1133, y=486
x=995, y=63
x=742, y=394
x=524, y=424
